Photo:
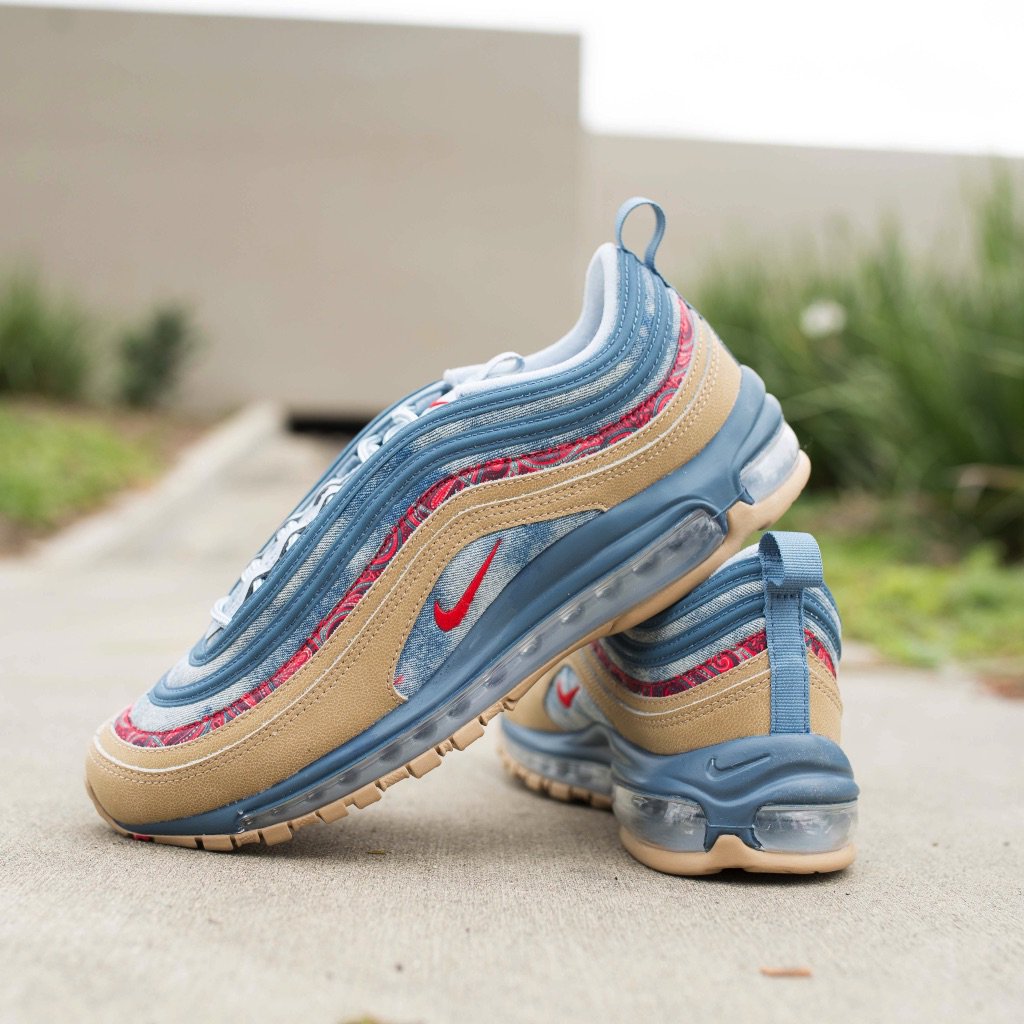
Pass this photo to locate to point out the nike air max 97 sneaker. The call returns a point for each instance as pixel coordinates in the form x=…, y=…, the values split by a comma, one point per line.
x=467, y=539
x=711, y=729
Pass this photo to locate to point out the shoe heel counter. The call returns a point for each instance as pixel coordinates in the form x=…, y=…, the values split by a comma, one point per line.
x=804, y=693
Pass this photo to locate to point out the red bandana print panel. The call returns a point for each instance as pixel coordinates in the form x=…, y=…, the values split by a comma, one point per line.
x=431, y=499
x=714, y=666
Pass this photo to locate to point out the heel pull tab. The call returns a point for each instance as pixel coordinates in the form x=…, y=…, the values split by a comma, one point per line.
x=790, y=562
x=659, y=228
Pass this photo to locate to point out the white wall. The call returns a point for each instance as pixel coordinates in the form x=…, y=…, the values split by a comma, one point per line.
x=348, y=208
x=351, y=208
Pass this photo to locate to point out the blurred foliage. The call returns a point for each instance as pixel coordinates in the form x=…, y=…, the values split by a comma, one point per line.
x=913, y=600
x=153, y=356
x=899, y=377
x=43, y=342
x=59, y=456
x=56, y=461
x=48, y=347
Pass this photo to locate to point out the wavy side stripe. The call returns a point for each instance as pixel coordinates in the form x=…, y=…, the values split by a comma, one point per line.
x=714, y=666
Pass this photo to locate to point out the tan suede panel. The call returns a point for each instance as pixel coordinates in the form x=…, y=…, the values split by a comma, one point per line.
x=349, y=684
x=736, y=703
x=826, y=704
x=733, y=705
x=530, y=712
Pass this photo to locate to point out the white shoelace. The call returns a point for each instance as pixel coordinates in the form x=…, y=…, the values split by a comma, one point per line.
x=253, y=575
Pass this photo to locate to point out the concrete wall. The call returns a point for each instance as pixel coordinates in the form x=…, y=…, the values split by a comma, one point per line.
x=351, y=208
x=348, y=208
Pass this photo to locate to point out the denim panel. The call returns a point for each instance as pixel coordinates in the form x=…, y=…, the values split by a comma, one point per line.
x=724, y=610
x=695, y=617
x=428, y=646
x=656, y=673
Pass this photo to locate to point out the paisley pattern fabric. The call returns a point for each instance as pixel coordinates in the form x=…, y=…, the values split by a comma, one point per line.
x=820, y=651
x=414, y=516
x=715, y=666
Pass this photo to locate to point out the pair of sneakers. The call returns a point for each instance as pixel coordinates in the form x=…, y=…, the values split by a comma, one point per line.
x=566, y=531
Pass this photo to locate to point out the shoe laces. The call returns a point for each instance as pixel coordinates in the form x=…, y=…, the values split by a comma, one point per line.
x=288, y=533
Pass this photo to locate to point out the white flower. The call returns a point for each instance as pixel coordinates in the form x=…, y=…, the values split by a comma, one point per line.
x=823, y=318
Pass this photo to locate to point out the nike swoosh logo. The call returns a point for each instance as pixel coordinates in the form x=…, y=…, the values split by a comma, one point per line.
x=728, y=769
x=448, y=619
x=566, y=698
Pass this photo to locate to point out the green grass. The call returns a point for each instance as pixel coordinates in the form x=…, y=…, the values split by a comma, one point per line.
x=56, y=463
x=914, y=601
x=899, y=376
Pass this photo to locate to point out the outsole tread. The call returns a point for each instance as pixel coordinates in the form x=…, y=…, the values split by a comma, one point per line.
x=730, y=853
x=549, y=787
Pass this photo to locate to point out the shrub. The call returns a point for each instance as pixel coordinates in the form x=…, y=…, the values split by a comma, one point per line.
x=43, y=342
x=152, y=356
x=899, y=377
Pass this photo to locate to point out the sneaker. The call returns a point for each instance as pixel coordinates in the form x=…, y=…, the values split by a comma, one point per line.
x=711, y=729
x=467, y=539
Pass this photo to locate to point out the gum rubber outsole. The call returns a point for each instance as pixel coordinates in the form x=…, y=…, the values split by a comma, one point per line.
x=743, y=521
x=731, y=853
x=552, y=787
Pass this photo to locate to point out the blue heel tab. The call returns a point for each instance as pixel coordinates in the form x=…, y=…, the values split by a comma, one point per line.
x=790, y=561
x=790, y=564
x=659, y=227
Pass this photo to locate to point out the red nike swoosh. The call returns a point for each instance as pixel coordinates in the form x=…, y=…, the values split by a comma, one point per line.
x=566, y=698
x=447, y=620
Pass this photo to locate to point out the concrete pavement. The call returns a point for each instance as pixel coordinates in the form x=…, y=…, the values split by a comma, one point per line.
x=461, y=896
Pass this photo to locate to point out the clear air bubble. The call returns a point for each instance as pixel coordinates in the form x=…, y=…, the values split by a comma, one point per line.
x=573, y=771
x=773, y=464
x=680, y=825
x=672, y=824
x=807, y=828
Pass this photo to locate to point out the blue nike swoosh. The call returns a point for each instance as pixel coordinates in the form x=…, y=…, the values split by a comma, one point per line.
x=728, y=769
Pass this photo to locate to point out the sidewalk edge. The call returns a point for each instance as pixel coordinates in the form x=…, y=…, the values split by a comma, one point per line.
x=132, y=513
